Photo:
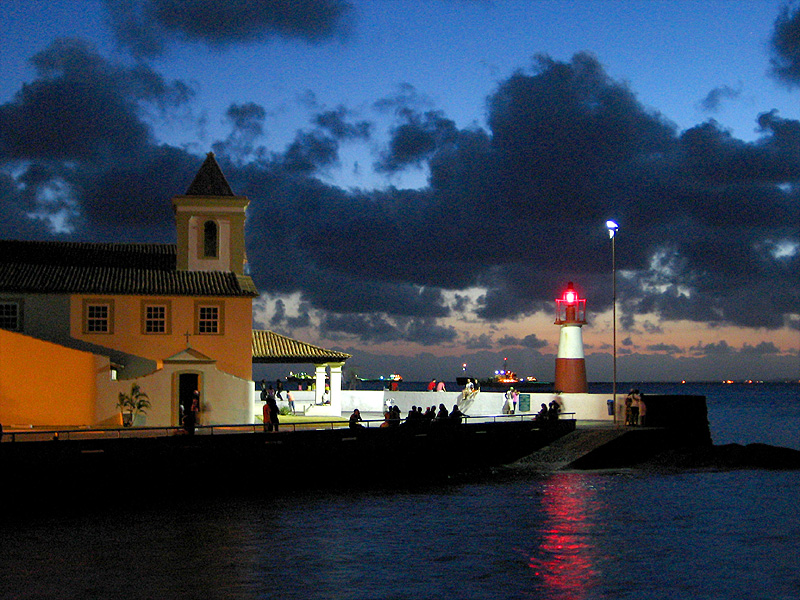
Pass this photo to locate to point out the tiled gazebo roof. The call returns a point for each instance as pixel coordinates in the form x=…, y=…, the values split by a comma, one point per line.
x=271, y=347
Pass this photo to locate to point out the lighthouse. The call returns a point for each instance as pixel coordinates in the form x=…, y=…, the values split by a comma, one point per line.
x=570, y=362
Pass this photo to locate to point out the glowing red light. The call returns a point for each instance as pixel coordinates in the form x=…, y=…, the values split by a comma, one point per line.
x=570, y=296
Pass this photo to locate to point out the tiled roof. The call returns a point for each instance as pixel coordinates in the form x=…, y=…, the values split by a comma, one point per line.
x=131, y=269
x=132, y=256
x=210, y=180
x=50, y=279
x=271, y=347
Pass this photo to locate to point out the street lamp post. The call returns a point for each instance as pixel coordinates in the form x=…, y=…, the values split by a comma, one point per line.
x=612, y=231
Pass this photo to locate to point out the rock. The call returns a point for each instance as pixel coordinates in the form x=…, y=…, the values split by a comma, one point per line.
x=727, y=457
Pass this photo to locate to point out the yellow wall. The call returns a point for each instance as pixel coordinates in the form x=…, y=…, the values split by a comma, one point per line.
x=45, y=384
x=232, y=349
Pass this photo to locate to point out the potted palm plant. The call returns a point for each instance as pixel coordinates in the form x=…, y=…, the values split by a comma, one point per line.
x=133, y=404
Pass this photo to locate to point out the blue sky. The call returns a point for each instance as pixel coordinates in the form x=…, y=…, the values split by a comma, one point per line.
x=413, y=142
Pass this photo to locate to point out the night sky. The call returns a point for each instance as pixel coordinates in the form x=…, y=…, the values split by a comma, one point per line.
x=426, y=177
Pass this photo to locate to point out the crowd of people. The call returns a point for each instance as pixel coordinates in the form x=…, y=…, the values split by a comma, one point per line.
x=416, y=417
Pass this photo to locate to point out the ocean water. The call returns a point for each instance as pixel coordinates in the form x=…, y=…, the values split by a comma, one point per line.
x=511, y=533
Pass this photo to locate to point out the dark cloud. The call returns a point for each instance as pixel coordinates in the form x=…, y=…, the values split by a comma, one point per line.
x=529, y=341
x=279, y=321
x=479, y=342
x=147, y=26
x=714, y=156
x=652, y=328
x=378, y=328
x=247, y=126
x=79, y=148
x=80, y=108
x=708, y=223
x=760, y=349
x=519, y=210
x=533, y=342
x=786, y=46
x=335, y=123
x=714, y=349
x=416, y=139
x=404, y=98
x=664, y=348
x=714, y=98
x=311, y=151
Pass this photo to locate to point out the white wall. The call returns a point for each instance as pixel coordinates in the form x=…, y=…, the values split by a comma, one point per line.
x=225, y=399
x=586, y=407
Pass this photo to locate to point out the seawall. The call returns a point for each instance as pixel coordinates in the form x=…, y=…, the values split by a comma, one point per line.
x=587, y=407
x=677, y=428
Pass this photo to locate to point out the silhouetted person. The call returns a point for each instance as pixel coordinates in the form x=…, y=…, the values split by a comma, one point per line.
x=394, y=416
x=272, y=410
x=553, y=410
x=542, y=414
x=355, y=420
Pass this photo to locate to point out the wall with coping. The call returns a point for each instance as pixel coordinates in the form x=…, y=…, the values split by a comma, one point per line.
x=589, y=407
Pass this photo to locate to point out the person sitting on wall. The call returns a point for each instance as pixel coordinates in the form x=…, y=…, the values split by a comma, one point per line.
x=413, y=419
x=553, y=410
x=394, y=416
x=355, y=420
x=541, y=416
x=456, y=415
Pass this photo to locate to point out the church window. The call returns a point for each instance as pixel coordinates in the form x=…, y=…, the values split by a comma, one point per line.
x=10, y=316
x=209, y=318
x=155, y=317
x=98, y=317
x=210, y=240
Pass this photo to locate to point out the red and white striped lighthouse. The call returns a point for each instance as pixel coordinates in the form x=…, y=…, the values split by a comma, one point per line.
x=570, y=362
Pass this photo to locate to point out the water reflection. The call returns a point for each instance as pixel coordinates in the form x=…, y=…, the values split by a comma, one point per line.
x=566, y=561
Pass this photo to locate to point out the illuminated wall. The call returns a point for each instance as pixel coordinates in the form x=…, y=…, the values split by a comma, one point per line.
x=231, y=348
x=45, y=384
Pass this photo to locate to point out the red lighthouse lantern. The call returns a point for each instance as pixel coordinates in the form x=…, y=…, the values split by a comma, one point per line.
x=570, y=361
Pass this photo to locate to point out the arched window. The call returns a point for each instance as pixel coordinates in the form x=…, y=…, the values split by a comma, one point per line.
x=210, y=240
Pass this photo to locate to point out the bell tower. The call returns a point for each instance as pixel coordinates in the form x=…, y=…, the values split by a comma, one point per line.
x=210, y=223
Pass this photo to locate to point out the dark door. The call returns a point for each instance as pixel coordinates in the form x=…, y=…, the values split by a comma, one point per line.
x=187, y=384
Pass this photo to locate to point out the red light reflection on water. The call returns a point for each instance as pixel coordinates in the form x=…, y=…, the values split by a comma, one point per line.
x=566, y=559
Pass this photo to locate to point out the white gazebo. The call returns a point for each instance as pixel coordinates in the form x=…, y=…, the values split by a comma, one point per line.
x=273, y=348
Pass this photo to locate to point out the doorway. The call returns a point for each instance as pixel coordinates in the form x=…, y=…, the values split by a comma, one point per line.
x=187, y=384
